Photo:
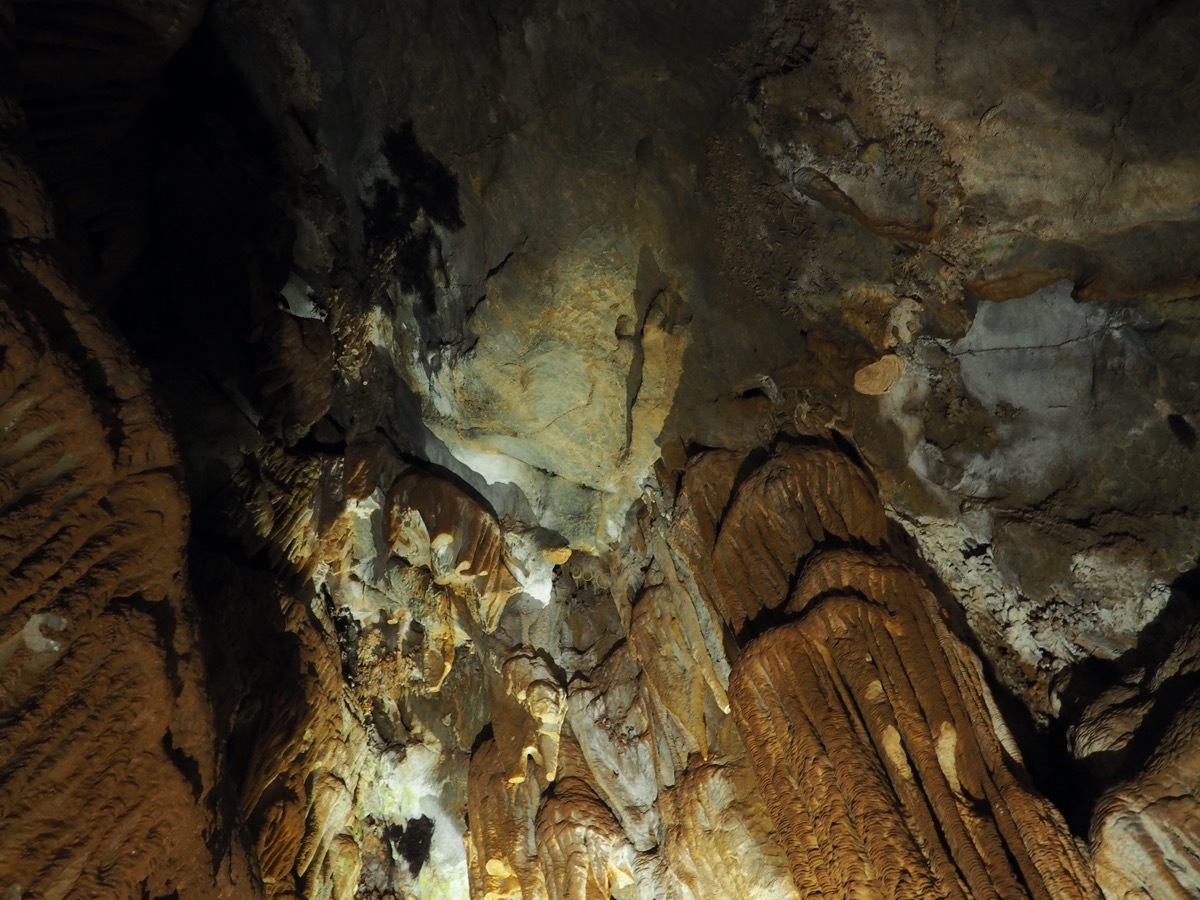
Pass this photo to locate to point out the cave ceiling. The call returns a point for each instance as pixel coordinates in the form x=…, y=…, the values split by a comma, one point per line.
x=584, y=449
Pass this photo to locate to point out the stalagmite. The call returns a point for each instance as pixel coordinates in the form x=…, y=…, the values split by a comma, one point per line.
x=529, y=680
x=501, y=843
x=721, y=841
x=794, y=501
x=1145, y=833
x=583, y=852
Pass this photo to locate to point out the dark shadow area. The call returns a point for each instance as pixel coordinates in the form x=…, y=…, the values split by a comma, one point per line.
x=85, y=72
x=412, y=842
x=419, y=192
x=1156, y=677
x=191, y=298
x=220, y=238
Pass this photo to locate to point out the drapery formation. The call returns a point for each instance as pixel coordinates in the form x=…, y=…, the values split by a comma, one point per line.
x=884, y=765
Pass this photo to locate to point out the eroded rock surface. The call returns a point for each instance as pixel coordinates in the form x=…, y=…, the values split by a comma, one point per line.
x=1145, y=836
x=1138, y=741
x=109, y=776
x=872, y=732
x=594, y=418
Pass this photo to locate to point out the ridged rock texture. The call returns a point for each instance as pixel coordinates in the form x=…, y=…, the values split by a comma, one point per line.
x=884, y=765
x=869, y=725
x=101, y=696
x=1140, y=737
x=108, y=762
x=867, y=734
x=585, y=449
x=1145, y=835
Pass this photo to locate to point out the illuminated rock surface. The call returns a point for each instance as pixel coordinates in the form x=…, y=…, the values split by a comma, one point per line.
x=575, y=449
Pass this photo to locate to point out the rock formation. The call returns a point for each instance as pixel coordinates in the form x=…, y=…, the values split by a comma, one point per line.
x=1145, y=834
x=1139, y=737
x=867, y=733
x=870, y=727
x=108, y=767
x=583, y=449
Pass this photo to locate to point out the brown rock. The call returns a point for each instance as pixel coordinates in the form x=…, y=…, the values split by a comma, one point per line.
x=435, y=524
x=776, y=516
x=879, y=376
x=295, y=373
x=501, y=845
x=106, y=752
x=715, y=815
x=581, y=848
x=872, y=736
x=1145, y=833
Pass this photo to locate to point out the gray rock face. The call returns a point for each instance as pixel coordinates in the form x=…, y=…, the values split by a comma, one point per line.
x=1050, y=437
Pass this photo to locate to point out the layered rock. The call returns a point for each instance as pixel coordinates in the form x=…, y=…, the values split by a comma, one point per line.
x=1145, y=835
x=796, y=500
x=869, y=725
x=714, y=815
x=517, y=355
x=581, y=848
x=880, y=760
x=436, y=525
x=501, y=845
x=381, y=576
x=996, y=429
x=1139, y=738
x=108, y=763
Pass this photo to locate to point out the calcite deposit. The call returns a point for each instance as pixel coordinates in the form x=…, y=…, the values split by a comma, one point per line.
x=579, y=449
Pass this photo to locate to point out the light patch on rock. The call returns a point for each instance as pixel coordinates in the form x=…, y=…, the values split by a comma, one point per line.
x=298, y=296
x=1036, y=385
x=879, y=377
x=893, y=746
x=565, y=392
x=532, y=563
x=1111, y=596
x=381, y=333
x=1033, y=355
x=495, y=468
x=359, y=585
x=902, y=405
x=947, y=755
x=407, y=786
x=1030, y=362
x=36, y=639
x=975, y=580
x=1125, y=595
x=904, y=323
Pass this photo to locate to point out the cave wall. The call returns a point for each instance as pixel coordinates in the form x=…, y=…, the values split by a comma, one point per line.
x=495, y=427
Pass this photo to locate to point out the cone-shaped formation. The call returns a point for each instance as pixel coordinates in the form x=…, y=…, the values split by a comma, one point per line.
x=1145, y=832
x=868, y=723
x=501, y=844
x=583, y=850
